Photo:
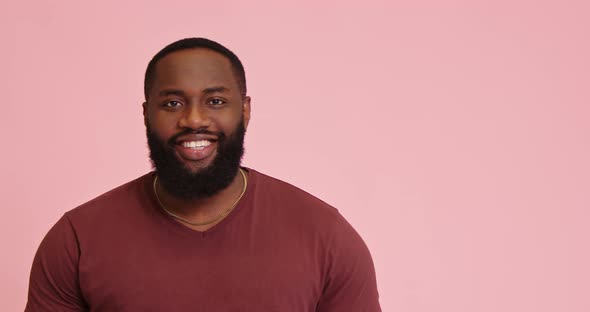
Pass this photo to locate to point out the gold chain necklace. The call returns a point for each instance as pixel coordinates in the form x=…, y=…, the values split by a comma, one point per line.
x=219, y=217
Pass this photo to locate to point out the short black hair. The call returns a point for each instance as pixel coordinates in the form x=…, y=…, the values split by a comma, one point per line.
x=194, y=43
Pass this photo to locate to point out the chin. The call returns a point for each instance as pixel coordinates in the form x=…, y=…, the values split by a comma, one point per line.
x=197, y=166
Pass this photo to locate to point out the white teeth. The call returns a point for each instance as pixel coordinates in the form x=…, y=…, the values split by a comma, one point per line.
x=196, y=144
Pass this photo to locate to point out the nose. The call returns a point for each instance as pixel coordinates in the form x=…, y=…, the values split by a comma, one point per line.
x=194, y=117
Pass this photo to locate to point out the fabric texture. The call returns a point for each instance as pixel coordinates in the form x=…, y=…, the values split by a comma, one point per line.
x=280, y=249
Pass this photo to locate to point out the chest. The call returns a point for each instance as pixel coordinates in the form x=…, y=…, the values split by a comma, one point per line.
x=271, y=274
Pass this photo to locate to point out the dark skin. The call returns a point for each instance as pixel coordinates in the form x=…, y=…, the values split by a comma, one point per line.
x=196, y=89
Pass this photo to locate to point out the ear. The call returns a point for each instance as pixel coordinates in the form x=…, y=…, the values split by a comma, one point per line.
x=145, y=112
x=246, y=111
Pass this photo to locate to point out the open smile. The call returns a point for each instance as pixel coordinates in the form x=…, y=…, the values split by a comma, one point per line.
x=195, y=149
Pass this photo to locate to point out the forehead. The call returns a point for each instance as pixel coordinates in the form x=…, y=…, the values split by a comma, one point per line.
x=194, y=67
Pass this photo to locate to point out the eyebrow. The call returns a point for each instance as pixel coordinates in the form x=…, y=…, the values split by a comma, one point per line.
x=217, y=89
x=167, y=92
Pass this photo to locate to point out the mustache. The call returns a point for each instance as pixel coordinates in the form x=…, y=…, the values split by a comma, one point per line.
x=220, y=135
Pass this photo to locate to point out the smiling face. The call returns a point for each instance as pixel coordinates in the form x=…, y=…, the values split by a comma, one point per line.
x=196, y=119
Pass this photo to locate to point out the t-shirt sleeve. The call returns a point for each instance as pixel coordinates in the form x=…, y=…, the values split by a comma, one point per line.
x=350, y=283
x=54, y=284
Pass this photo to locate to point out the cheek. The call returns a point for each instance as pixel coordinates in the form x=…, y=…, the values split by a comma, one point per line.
x=229, y=120
x=162, y=126
x=229, y=127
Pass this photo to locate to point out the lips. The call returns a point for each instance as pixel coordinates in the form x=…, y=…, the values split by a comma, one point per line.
x=196, y=144
x=195, y=147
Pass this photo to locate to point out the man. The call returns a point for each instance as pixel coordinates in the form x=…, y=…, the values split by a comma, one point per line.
x=201, y=233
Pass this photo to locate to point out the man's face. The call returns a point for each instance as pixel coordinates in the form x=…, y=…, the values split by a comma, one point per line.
x=195, y=118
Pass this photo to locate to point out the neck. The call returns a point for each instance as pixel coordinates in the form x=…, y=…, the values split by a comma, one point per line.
x=202, y=209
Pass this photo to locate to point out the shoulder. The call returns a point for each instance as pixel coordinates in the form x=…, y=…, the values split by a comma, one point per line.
x=349, y=274
x=275, y=189
x=289, y=205
x=116, y=203
x=290, y=199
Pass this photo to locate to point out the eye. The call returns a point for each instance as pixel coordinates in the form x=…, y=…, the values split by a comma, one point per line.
x=216, y=102
x=172, y=104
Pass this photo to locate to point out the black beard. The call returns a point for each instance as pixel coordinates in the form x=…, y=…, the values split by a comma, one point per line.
x=179, y=181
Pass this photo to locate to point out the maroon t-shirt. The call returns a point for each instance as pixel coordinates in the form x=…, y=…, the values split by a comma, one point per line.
x=280, y=249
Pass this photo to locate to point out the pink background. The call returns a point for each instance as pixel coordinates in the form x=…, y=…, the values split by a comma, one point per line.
x=453, y=135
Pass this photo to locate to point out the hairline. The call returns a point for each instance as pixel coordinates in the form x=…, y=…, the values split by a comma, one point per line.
x=234, y=69
x=237, y=67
